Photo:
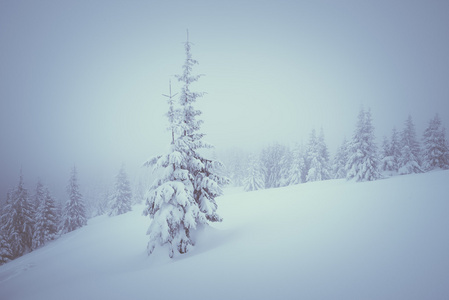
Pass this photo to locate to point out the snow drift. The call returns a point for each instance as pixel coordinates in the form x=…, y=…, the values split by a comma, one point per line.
x=386, y=239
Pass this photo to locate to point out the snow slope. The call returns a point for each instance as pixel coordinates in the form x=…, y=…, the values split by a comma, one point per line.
x=386, y=239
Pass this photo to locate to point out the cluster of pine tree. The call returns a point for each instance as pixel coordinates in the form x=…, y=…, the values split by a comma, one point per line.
x=357, y=159
x=182, y=199
x=29, y=222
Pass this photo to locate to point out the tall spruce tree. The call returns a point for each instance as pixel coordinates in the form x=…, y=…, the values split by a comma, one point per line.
x=324, y=157
x=410, y=159
x=391, y=153
x=385, y=157
x=122, y=198
x=340, y=160
x=297, y=166
x=5, y=249
x=363, y=164
x=74, y=215
x=182, y=199
x=254, y=180
x=395, y=150
x=274, y=162
x=436, y=149
x=46, y=220
x=317, y=158
x=206, y=178
x=313, y=160
x=18, y=221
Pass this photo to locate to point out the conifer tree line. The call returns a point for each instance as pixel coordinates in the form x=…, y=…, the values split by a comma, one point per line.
x=357, y=158
x=29, y=220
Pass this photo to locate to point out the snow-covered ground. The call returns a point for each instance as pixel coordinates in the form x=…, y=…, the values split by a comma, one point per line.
x=387, y=239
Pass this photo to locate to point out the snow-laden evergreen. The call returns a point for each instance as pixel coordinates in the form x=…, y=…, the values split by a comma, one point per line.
x=313, y=160
x=286, y=162
x=436, y=148
x=391, y=153
x=317, y=158
x=182, y=199
x=255, y=178
x=363, y=163
x=139, y=193
x=274, y=164
x=297, y=167
x=121, y=200
x=324, y=156
x=39, y=196
x=46, y=219
x=340, y=160
x=204, y=172
x=18, y=221
x=74, y=215
x=5, y=249
x=385, y=157
x=410, y=159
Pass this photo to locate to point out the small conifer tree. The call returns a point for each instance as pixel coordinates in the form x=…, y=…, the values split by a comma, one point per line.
x=18, y=221
x=363, y=164
x=254, y=180
x=46, y=220
x=436, y=150
x=340, y=160
x=122, y=198
x=410, y=158
x=74, y=215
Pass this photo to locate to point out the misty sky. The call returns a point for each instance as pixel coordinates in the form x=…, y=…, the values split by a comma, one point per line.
x=81, y=81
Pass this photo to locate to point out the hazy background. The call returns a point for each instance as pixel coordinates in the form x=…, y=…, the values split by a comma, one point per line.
x=81, y=81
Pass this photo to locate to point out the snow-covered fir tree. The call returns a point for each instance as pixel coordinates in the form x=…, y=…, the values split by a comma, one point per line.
x=395, y=150
x=182, y=199
x=274, y=165
x=255, y=178
x=391, y=152
x=74, y=215
x=297, y=166
x=103, y=203
x=39, y=195
x=38, y=198
x=436, y=149
x=313, y=161
x=236, y=163
x=324, y=157
x=410, y=159
x=385, y=156
x=18, y=221
x=363, y=164
x=205, y=172
x=340, y=160
x=139, y=193
x=46, y=220
x=5, y=249
x=122, y=197
x=317, y=158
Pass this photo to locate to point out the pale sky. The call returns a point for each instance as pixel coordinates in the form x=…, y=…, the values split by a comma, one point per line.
x=81, y=82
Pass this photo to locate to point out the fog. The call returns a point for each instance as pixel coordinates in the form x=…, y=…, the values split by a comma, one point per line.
x=81, y=82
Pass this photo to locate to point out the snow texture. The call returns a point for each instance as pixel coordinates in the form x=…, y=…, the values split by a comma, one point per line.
x=334, y=239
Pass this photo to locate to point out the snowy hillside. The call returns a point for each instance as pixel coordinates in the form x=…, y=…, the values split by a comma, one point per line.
x=386, y=239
